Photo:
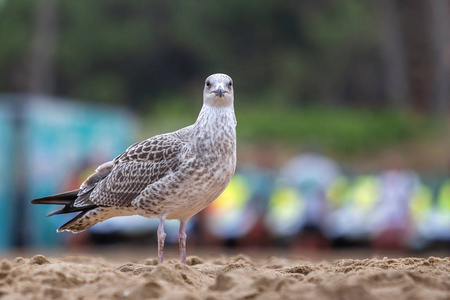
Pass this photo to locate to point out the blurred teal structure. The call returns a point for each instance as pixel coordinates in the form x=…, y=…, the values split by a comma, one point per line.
x=6, y=182
x=49, y=145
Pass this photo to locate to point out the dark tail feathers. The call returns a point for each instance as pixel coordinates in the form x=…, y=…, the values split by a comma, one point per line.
x=63, y=198
x=67, y=199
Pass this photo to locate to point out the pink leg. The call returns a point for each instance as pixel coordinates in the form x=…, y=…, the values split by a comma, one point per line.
x=161, y=238
x=182, y=241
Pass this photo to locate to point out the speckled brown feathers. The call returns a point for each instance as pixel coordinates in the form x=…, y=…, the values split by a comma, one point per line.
x=141, y=165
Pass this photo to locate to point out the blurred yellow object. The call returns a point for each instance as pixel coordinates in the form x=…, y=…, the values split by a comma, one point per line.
x=421, y=202
x=338, y=191
x=235, y=196
x=231, y=215
x=286, y=211
x=443, y=203
x=286, y=203
x=365, y=191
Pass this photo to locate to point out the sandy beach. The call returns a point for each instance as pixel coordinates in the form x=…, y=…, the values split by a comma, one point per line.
x=235, y=277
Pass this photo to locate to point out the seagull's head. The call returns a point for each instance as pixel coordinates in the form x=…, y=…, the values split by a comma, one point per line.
x=218, y=90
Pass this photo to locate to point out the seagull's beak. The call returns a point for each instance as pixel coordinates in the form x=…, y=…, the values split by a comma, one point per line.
x=219, y=92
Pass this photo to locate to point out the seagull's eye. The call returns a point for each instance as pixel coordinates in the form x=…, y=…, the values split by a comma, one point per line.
x=230, y=84
x=208, y=84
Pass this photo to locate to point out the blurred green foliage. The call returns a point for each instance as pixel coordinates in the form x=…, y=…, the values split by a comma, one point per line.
x=134, y=51
x=345, y=131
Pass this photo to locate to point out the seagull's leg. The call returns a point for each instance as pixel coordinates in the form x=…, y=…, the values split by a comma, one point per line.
x=161, y=238
x=182, y=241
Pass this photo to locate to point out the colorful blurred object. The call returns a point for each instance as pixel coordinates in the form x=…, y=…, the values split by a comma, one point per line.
x=285, y=213
x=231, y=215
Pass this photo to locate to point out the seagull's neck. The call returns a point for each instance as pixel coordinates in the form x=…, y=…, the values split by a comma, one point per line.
x=216, y=116
x=215, y=130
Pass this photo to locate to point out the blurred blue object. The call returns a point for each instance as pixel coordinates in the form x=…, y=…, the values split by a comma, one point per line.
x=56, y=142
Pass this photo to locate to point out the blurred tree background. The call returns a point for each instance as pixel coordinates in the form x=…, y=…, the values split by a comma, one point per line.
x=350, y=75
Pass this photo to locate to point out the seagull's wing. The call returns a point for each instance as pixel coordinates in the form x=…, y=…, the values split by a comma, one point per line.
x=140, y=165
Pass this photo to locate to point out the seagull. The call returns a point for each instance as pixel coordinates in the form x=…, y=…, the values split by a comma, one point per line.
x=168, y=176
